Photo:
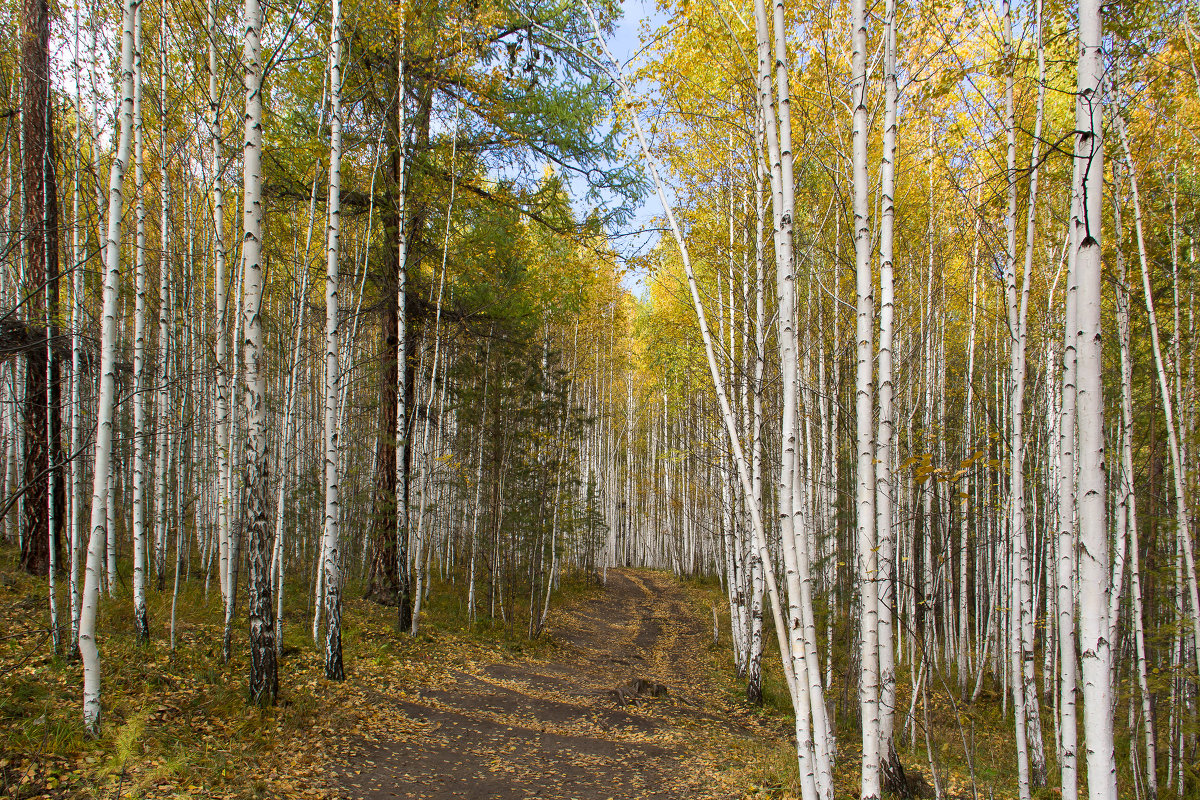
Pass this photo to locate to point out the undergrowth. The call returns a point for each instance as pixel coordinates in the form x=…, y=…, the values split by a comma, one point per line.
x=178, y=725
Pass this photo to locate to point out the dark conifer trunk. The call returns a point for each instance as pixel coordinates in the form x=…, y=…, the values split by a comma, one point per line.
x=40, y=228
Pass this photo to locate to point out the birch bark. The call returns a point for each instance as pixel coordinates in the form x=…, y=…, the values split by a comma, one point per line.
x=333, y=601
x=220, y=295
x=140, y=432
x=77, y=262
x=161, y=436
x=893, y=771
x=105, y=409
x=1093, y=568
x=264, y=680
x=1127, y=495
x=864, y=414
x=404, y=578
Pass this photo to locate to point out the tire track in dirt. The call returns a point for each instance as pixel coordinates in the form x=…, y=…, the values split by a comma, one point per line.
x=549, y=729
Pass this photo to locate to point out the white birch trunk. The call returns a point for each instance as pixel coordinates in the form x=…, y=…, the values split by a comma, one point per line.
x=330, y=548
x=106, y=404
x=893, y=772
x=1093, y=568
x=264, y=684
x=864, y=414
x=1037, y=754
x=1065, y=572
x=220, y=296
x=404, y=602
x=78, y=242
x=162, y=438
x=1019, y=567
x=140, y=432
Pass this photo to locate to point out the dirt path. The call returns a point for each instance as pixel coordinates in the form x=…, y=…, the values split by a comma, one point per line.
x=583, y=725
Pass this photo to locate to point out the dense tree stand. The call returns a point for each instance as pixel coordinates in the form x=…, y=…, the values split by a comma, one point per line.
x=440, y=369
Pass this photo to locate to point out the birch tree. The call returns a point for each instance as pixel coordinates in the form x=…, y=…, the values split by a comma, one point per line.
x=1094, y=567
x=106, y=402
x=221, y=323
x=141, y=433
x=161, y=436
x=864, y=415
x=264, y=679
x=330, y=547
x=893, y=771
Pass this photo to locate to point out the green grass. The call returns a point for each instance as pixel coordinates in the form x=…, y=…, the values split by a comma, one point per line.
x=962, y=735
x=991, y=748
x=178, y=724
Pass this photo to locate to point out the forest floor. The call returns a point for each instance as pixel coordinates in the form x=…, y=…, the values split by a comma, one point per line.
x=626, y=695
x=463, y=710
x=624, y=706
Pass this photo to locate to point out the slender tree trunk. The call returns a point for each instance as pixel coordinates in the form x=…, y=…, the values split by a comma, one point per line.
x=864, y=408
x=893, y=772
x=969, y=454
x=1029, y=771
x=264, y=680
x=78, y=244
x=1127, y=494
x=106, y=404
x=403, y=578
x=220, y=296
x=1037, y=752
x=1095, y=649
x=140, y=433
x=333, y=599
x=1065, y=572
x=161, y=433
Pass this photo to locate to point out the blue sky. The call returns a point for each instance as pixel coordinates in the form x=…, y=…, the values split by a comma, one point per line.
x=624, y=45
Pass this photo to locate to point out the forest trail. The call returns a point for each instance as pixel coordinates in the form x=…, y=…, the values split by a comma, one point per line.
x=585, y=724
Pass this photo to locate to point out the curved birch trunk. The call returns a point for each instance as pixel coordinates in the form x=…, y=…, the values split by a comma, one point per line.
x=1127, y=496
x=725, y=409
x=1169, y=411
